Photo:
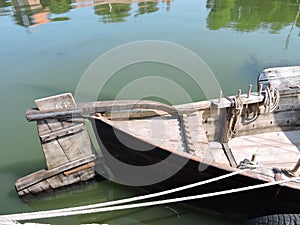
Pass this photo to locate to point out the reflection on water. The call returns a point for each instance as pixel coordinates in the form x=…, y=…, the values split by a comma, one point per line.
x=30, y=13
x=112, y=12
x=243, y=16
x=4, y=7
x=246, y=16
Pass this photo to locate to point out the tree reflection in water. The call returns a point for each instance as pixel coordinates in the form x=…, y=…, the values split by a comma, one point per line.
x=247, y=16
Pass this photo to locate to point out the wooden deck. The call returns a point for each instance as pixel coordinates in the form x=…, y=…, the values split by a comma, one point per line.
x=273, y=149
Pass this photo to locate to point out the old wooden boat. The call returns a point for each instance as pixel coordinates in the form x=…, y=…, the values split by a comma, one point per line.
x=156, y=147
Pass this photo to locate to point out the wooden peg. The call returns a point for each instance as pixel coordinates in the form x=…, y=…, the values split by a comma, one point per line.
x=220, y=96
x=260, y=89
x=239, y=93
x=249, y=90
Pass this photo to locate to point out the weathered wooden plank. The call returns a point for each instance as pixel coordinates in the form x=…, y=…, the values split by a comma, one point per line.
x=87, y=174
x=229, y=155
x=221, y=103
x=65, y=131
x=290, y=92
x=41, y=186
x=187, y=108
x=193, y=107
x=281, y=78
x=272, y=148
x=54, y=153
x=76, y=146
x=164, y=132
x=62, y=149
x=133, y=114
x=63, y=101
x=61, y=180
x=280, y=120
x=159, y=131
x=41, y=175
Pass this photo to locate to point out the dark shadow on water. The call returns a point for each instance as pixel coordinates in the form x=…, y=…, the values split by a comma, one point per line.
x=254, y=65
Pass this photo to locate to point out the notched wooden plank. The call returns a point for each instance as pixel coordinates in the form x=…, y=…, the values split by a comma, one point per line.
x=60, y=133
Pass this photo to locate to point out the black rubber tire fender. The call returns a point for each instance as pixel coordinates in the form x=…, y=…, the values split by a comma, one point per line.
x=276, y=219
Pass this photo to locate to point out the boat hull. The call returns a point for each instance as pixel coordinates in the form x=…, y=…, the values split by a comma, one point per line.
x=236, y=206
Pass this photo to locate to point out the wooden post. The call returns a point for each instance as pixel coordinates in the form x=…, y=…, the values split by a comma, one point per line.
x=249, y=91
x=220, y=96
x=260, y=89
x=239, y=93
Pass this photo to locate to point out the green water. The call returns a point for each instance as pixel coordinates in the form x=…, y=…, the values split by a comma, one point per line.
x=46, y=46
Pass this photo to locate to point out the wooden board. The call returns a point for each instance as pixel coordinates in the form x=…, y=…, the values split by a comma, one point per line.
x=64, y=143
x=41, y=175
x=273, y=149
x=281, y=78
x=64, y=148
x=164, y=132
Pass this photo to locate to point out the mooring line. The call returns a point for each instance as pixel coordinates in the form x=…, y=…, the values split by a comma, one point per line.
x=45, y=214
x=122, y=201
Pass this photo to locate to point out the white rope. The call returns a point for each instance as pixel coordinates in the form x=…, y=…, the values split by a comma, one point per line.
x=117, y=202
x=45, y=214
x=272, y=98
x=234, y=122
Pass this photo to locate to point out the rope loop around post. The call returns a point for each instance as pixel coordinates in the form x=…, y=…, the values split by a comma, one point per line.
x=272, y=97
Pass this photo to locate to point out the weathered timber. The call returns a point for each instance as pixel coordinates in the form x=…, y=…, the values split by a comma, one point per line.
x=282, y=78
x=286, y=117
x=66, y=146
x=229, y=155
x=125, y=105
x=275, y=148
x=65, y=131
x=99, y=107
x=70, y=147
x=187, y=108
x=41, y=175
